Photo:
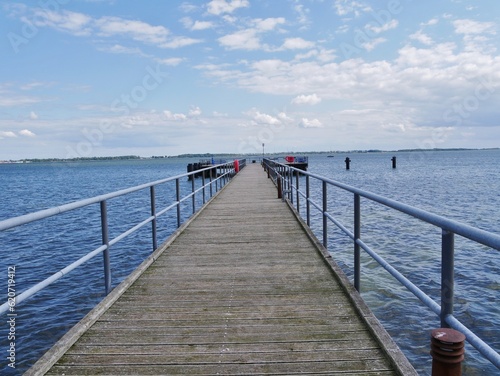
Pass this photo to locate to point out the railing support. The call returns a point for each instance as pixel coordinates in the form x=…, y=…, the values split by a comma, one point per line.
x=178, y=199
x=308, y=204
x=325, y=218
x=297, y=191
x=211, y=184
x=278, y=186
x=193, y=198
x=447, y=275
x=203, y=185
x=357, y=236
x=153, y=214
x=105, y=241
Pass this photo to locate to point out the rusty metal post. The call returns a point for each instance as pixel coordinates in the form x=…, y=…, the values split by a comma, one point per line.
x=447, y=351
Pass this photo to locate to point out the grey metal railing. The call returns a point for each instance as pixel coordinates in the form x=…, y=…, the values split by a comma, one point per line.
x=215, y=183
x=283, y=176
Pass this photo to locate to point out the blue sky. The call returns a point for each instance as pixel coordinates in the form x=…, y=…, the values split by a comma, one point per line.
x=84, y=78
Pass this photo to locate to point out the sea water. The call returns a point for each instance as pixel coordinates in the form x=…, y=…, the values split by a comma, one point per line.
x=462, y=185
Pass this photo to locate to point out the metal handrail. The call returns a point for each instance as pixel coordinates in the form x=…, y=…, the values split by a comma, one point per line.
x=227, y=171
x=282, y=175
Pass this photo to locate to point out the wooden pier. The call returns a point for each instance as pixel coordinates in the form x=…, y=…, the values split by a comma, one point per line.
x=242, y=288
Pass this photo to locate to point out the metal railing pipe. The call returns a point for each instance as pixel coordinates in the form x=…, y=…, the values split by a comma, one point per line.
x=54, y=277
x=481, y=346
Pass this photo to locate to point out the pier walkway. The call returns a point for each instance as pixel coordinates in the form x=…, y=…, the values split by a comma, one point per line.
x=242, y=289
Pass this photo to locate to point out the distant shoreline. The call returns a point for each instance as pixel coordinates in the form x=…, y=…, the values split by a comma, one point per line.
x=209, y=155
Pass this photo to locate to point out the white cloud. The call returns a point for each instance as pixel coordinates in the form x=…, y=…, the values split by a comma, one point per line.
x=172, y=61
x=422, y=38
x=33, y=115
x=249, y=39
x=297, y=44
x=261, y=118
x=71, y=22
x=175, y=117
x=310, y=123
x=7, y=134
x=346, y=7
x=284, y=117
x=137, y=30
x=27, y=133
x=202, y=25
x=80, y=24
x=474, y=27
x=194, y=111
x=119, y=49
x=243, y=40
x=307, y=99
x=218, y=7
x=392, y=24
x=370, y=46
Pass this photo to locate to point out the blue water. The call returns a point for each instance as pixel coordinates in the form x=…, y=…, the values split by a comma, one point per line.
x=464, y=185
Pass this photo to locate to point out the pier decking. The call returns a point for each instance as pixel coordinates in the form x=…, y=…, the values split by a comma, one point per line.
x=243, y=289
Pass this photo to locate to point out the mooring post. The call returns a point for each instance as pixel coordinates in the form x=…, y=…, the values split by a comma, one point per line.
x=393, y=159
x=447, y=351
x=347, y=163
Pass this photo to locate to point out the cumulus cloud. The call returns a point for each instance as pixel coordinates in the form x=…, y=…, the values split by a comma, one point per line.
x=297, y=44
x=392, y=24
x=347, y=7
x=261, y=118
x=422, y=38
x=175, y=117
x=310, y=123
x=80, y=24
x=306, y=99
x=474, y=27
x=249, y=38
x=7, y=134
x=195, y=111
x=27, y=133
x=218, y=7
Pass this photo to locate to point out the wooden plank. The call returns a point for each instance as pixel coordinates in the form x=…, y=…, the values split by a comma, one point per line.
x=242, y=290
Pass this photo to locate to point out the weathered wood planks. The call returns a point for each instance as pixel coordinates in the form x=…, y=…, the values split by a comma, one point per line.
x=242, y=290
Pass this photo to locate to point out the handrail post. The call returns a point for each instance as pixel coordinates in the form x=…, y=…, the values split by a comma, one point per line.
x=203, y=185
x=193, y=198
x=357, y=235
x=297, y=190
x=447, y=275
x=211, y=187
x=308, y=204
x=325, y=222
x=153, y=214
x=105, y=241
x=278, y=186
x=178, y=198
x=290, y=184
